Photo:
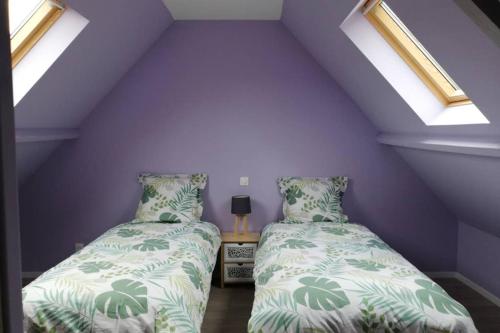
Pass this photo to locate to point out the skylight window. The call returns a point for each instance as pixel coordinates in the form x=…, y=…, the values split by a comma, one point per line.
x=29, y=20
x=414, y=54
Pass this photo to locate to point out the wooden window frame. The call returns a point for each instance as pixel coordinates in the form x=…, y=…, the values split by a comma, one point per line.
x=30, y=32
x=414, y=54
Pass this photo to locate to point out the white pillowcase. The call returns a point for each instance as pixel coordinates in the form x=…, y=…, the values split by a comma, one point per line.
x=171, y=198
x=313, y=199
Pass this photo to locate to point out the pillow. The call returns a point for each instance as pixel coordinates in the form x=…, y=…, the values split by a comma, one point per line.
x=313, y=199
x=171, y=198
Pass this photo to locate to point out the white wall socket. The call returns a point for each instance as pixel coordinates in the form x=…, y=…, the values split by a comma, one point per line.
x=78, y=246
x=243, y=181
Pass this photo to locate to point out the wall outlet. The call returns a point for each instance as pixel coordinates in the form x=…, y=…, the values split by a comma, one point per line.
x=78, y=246
x=243, y=181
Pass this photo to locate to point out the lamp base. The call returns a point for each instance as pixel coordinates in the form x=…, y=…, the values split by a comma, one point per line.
x=238, y=219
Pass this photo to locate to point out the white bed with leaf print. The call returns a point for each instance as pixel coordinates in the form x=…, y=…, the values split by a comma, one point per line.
x=340, y=277
x=317, y=273
x=137, y=277
x=149, y=275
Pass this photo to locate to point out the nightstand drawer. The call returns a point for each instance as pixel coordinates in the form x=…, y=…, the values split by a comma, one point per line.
x=239, y=252
x=238, y=273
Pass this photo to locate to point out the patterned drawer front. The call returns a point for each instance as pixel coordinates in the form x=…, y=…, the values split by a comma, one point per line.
x=238, y=272
x=239, y=252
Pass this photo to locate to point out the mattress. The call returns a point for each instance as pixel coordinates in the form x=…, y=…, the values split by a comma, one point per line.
x=137, y=277
x=330, y=277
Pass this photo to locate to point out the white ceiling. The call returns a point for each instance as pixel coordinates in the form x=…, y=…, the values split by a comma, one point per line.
x=225, y=9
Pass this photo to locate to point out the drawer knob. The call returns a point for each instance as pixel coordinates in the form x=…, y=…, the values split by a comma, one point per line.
x=240, y=244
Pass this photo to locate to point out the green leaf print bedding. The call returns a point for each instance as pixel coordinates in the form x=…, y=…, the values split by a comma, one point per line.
x=323, y=277
x=137, y=277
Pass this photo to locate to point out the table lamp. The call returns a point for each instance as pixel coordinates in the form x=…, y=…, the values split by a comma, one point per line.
x=240, y=207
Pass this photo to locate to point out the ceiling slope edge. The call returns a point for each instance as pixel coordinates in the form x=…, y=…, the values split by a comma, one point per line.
x=476, y=146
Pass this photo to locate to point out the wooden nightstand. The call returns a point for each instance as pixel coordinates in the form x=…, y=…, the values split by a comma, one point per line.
x=238, y=257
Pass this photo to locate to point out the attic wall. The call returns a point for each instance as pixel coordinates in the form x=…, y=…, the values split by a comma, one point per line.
x=468, y=185
x=231, y=99
x=478, y=257
x=471, y=187
x=119, y=32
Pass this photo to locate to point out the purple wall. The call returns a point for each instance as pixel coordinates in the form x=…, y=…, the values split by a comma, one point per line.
x=472, y=190
x=478, y=257
x=231, y=99
x=119, y=33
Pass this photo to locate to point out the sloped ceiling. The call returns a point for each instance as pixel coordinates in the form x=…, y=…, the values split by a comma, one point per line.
x=467, y=184
x=118, y=34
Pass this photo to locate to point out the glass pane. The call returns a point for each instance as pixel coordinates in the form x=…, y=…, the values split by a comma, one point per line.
x=20, y=11
x=415, y=41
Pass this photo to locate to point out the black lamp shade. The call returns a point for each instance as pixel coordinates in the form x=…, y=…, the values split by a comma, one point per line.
x=240, y=205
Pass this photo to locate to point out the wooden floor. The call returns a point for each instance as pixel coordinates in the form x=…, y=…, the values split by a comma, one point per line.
x=229, y=309
x=486, y=315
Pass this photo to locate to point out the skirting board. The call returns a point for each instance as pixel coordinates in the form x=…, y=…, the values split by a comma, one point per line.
x=471, y=284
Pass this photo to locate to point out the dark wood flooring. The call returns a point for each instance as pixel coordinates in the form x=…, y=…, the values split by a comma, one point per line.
x=229, y=309
x=486, y=315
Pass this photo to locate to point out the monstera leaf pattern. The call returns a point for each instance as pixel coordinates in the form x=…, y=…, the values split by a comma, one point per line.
x=169, y=217
x=128, y=298
x=323, y=277
x=137, y=277
x=320, y=294
x=313, y=199
x=297, y=244
x=126, y=233
x=435, y=297
x=152, y=245
x=292, y=194
x=171, y=198
x=366, y=265
x=95, y=266
x=148, y=192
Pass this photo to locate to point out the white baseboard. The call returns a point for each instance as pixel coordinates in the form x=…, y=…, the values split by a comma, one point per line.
x=444, y=275
x=31, y=275
x=485, y=293
x=471, y=284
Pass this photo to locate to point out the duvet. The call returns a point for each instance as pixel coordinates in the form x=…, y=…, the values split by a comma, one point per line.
x=137, y=277
x=329, y=277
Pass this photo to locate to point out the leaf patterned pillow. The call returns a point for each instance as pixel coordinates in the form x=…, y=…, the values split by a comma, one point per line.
x=171, y=198
x=313, y=199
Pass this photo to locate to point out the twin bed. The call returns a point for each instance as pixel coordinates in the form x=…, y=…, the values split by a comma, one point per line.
x=316, y=275
x=329, y=277
x=137, y=277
